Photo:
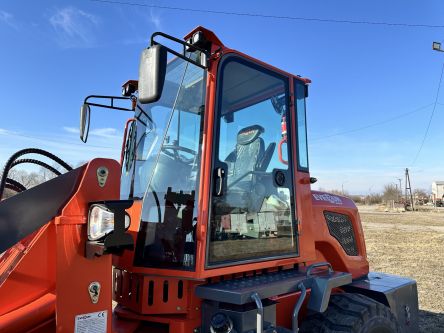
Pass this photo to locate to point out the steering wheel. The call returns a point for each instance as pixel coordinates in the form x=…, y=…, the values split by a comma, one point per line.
x=173, y=151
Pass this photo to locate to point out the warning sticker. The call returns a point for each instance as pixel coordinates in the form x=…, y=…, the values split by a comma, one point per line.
x=94, y=322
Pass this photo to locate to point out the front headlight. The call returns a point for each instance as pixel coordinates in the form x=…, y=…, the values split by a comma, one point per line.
x=101, y=222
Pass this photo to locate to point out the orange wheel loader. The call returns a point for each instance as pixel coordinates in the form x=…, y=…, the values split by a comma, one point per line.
x=207, y=224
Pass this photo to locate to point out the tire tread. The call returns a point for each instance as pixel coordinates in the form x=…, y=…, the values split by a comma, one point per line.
x=350, y=313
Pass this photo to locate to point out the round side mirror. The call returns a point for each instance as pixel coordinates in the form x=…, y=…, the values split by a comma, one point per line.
x=85, y=112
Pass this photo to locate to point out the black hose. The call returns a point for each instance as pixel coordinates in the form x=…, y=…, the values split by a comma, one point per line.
x=12, y=159
x=13, y=188
x=16, y=184
x=42, y=164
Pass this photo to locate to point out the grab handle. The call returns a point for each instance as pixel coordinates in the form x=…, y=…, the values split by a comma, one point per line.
x=283, y=140
x=317, y=265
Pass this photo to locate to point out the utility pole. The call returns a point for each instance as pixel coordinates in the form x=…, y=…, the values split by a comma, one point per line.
x=408, y=188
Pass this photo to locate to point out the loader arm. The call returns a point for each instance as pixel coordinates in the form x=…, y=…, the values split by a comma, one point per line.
x=45, y=266
x=27, y=211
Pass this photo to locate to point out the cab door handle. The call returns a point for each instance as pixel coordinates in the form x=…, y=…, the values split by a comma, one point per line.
x=219, y=181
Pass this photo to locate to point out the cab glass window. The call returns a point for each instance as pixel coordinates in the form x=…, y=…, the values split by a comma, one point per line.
x=300, y=90
x=252, y=208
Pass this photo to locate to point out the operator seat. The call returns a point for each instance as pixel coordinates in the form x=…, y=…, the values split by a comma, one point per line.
x=246, y=158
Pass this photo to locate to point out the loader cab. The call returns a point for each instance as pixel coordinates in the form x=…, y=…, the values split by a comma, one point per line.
x=212, y=164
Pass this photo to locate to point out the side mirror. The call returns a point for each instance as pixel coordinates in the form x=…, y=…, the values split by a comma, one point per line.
x=152, y=73
x=85, y=112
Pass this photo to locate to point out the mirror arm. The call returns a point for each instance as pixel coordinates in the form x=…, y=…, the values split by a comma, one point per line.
x=177, y=40
x=185, y=44
x=112, y=98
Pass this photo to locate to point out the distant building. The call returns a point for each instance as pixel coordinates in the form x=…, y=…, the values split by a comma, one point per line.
x=437, y=190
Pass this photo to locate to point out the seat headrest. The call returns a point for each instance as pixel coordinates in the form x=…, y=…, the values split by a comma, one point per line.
x=249, y=134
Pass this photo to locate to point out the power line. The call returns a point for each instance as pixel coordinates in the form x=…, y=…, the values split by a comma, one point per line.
x=53, y=141
x=278, y=17
x=374, y=124
x=431, y=116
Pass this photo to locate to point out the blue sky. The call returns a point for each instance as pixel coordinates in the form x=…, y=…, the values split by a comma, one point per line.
x=54, y=53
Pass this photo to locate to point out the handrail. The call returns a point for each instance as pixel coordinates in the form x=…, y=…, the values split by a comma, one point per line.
x=317, y=265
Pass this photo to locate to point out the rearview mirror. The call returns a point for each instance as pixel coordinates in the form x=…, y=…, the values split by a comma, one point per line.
x=152, y=72
x=85, y=112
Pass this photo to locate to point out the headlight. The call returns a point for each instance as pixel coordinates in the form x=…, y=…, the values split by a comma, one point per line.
x=101, y=222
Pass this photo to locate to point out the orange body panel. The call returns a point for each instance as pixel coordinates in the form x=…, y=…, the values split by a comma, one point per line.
x=327, y=248
x=45, y=278
x=74, y=271
x=27, y=317
x=23, y=281
x=314, y=246
x=52, y=262
x=309, y=250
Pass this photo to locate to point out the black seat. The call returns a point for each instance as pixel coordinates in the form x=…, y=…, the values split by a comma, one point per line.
x=242, y=162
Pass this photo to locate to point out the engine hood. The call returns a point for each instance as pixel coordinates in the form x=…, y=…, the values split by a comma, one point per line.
x=328, y=200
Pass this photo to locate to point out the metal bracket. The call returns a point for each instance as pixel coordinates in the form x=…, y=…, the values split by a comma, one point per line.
x=111, y=98
x=322, y=284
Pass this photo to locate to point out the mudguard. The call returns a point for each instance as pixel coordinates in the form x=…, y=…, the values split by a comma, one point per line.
x=398, y=293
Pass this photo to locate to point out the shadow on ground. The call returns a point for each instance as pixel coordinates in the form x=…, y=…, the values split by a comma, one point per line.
x=431, y=322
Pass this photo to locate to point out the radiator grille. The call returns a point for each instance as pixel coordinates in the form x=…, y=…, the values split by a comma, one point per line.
x=340, y=227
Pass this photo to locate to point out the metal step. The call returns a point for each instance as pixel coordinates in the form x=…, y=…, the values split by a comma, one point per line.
x=239, y=291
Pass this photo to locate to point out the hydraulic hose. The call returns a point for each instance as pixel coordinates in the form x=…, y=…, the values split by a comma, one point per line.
x=13, y=188
x=18, y=187
x=10, y=163
x=42, y=164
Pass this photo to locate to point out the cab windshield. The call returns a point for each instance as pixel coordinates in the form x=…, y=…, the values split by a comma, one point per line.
x=161, y=165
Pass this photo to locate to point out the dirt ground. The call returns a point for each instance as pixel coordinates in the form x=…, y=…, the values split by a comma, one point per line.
x=410, y=244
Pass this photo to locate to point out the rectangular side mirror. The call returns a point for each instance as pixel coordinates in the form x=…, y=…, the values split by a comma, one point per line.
x=152, y=73
x=85, y=113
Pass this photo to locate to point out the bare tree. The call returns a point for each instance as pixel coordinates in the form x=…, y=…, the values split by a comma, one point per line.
x=420, y=193
x=373, y=199
x=421, y=196
x=338, y=192
x=390, y=192
x=27, y=179
x=8, y=193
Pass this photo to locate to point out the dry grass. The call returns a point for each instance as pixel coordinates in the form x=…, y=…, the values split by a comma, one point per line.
x=410, y=244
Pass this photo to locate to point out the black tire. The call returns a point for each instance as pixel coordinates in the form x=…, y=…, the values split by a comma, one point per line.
x=352, y=313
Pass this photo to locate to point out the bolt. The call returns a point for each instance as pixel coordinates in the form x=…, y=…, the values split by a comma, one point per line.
x=178, y=308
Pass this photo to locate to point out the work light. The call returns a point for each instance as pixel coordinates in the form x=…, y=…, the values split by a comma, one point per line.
x=437, y=46
x=101, y=222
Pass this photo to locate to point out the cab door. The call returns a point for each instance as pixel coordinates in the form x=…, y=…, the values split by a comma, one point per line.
x=252, y=204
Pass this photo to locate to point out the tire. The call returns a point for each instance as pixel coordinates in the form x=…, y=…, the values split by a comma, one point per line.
x=352, y=313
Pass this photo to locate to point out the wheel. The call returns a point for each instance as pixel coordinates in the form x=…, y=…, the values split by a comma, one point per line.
x=352, y=313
